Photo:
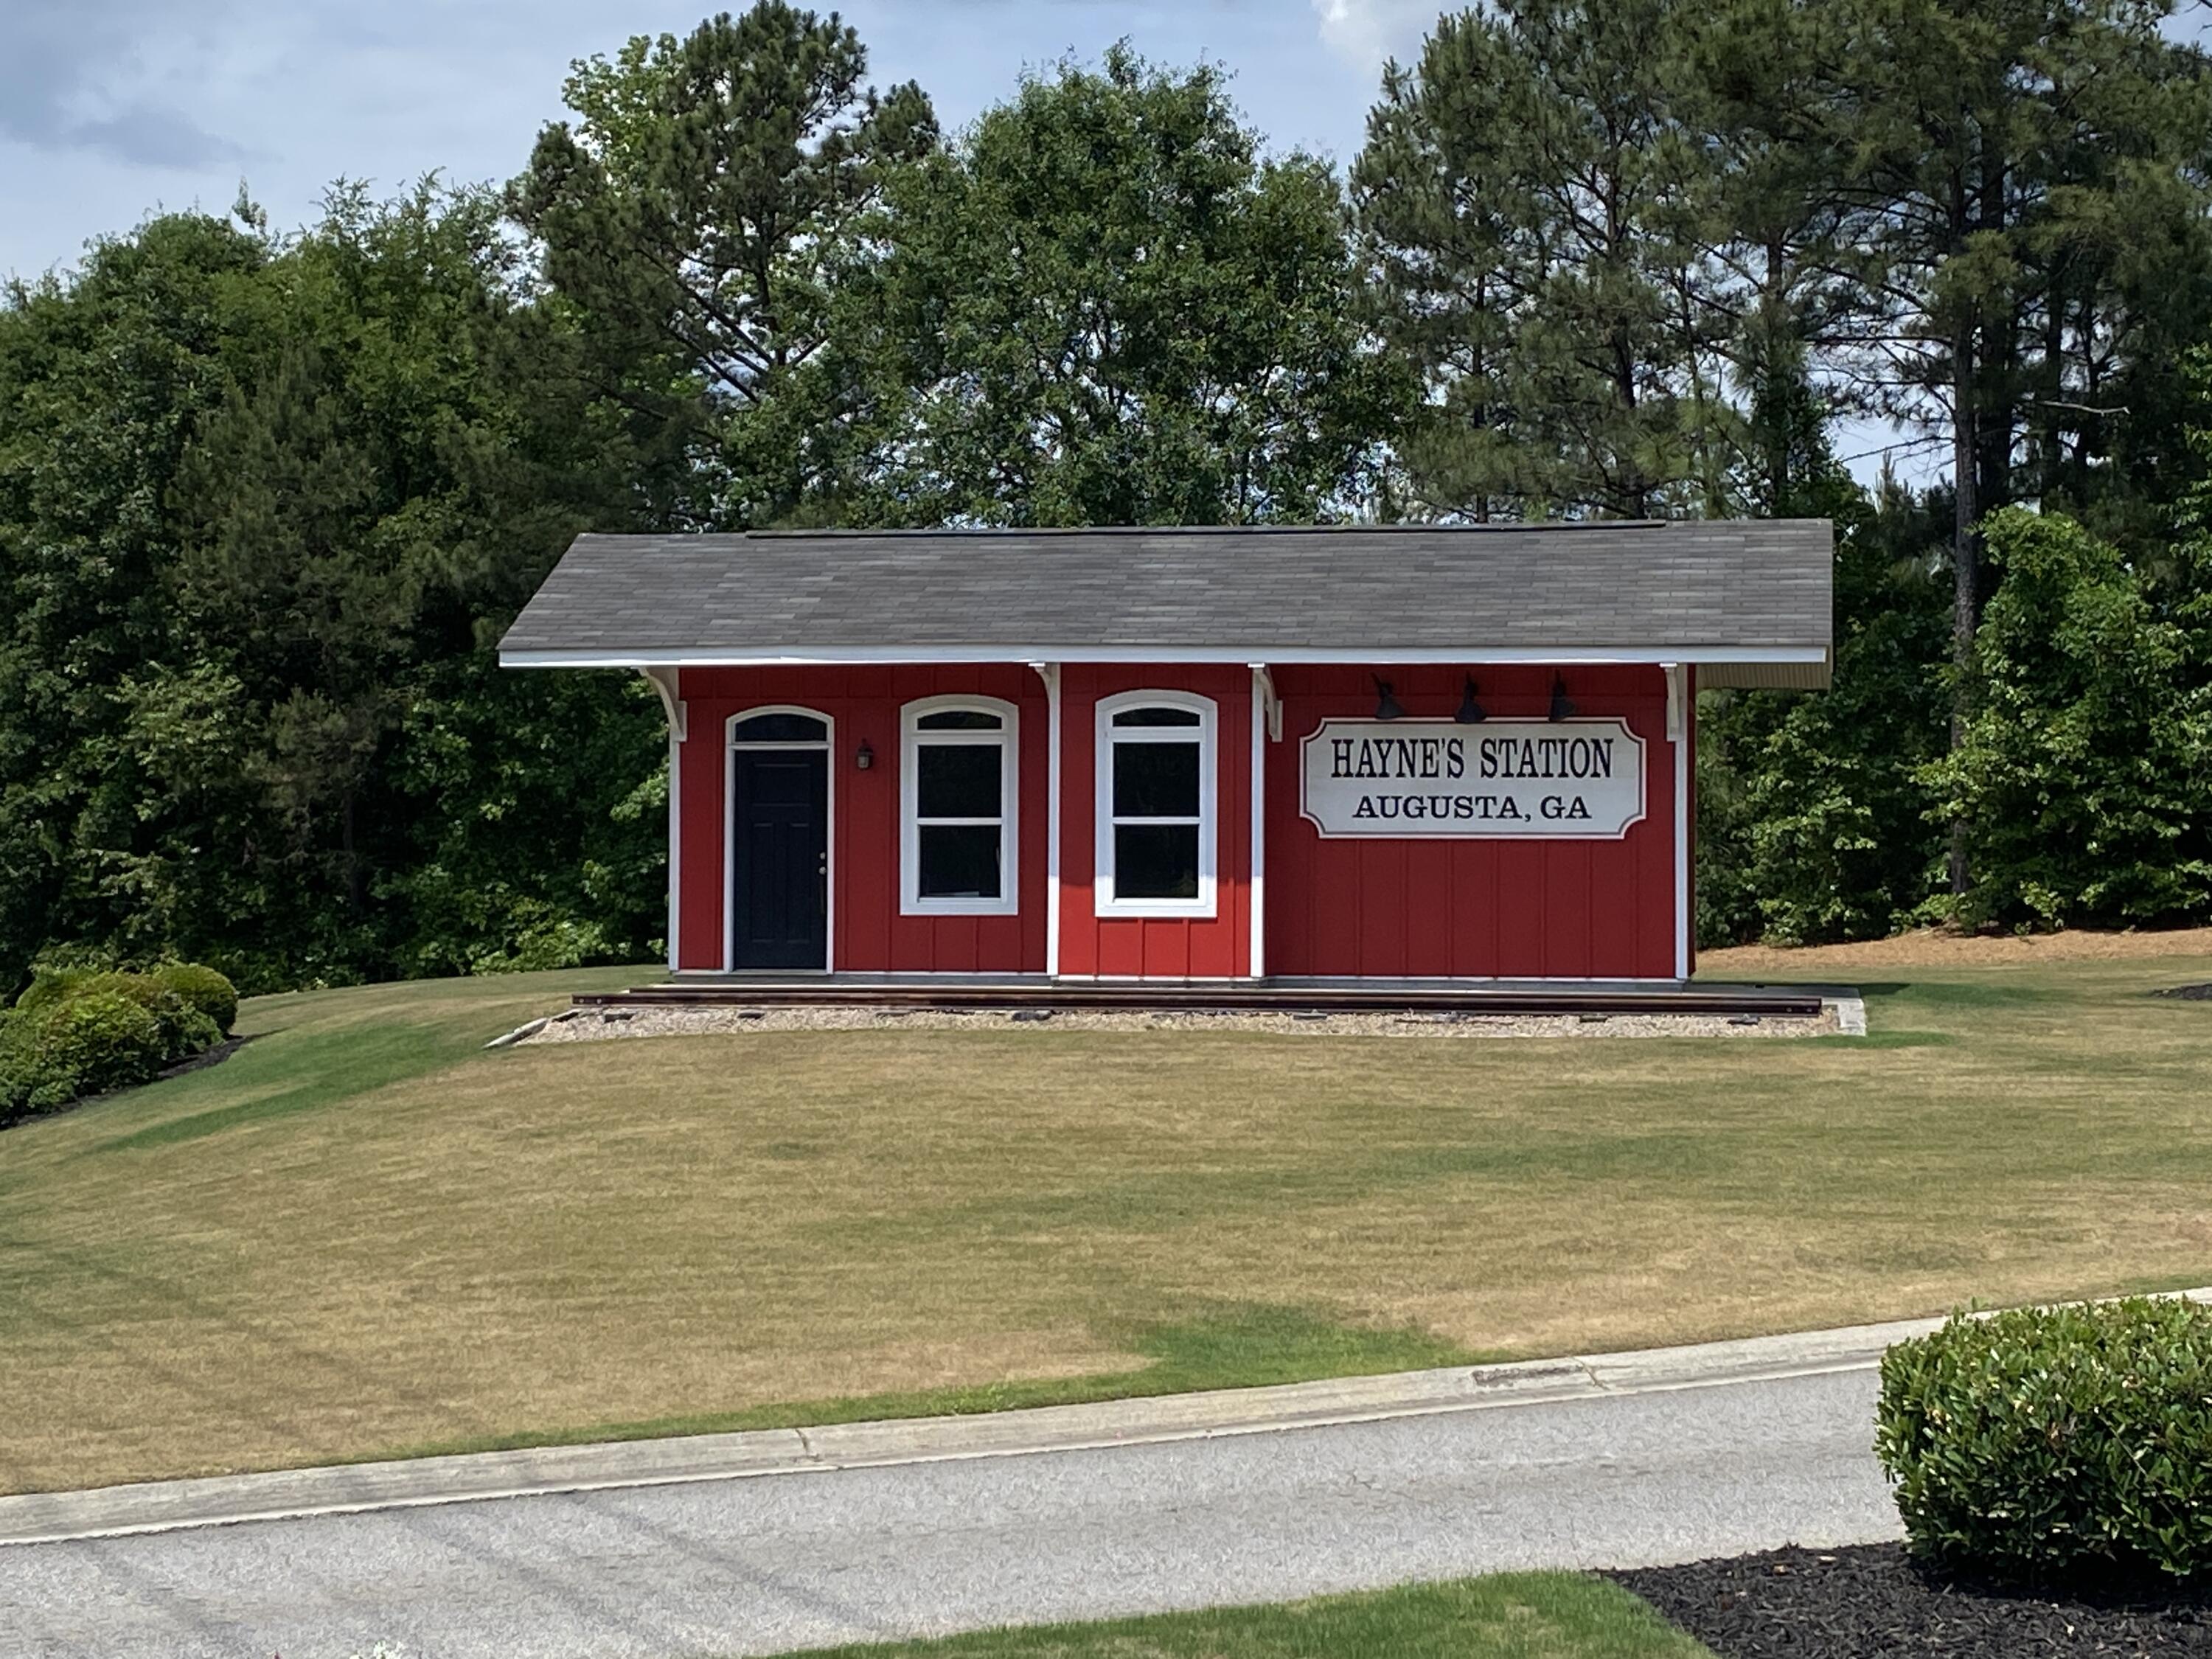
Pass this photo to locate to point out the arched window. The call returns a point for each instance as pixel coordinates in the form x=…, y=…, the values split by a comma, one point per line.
x=958, y=793
x=1156, y=805
x=779, y=725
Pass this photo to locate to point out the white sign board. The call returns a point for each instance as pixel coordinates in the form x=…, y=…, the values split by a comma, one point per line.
x=1579, y=779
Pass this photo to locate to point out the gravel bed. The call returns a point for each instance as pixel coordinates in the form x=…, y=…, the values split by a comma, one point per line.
x=1869, y=1603
x=589, y=1025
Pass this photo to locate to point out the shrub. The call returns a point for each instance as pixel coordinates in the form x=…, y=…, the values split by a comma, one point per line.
x=2056, y=1445
x=185, y=1030
x=50, y=985
x=80, y=1031
x=96, y=1039
x=19, y=1075
x=203, y=988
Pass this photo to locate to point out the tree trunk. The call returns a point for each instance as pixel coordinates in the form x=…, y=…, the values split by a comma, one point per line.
x=1966, y=559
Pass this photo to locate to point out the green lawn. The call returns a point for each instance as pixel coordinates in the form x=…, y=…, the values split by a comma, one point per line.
x=1512, y=1616
x=363, y=1236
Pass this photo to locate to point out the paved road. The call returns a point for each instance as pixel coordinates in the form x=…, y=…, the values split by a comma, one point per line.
x=763, y=1564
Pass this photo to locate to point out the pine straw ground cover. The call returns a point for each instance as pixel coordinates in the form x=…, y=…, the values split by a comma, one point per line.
x=362, y=1236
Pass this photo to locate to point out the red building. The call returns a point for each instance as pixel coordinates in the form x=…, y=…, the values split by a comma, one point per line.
x=1215, y=754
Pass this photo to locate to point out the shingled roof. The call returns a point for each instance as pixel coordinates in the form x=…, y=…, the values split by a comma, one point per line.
x=1748, y=601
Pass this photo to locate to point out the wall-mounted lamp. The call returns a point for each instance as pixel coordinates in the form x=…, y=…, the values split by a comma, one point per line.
x=1386, y=705
x=864, y=756
x=1471, y=713
x=1561, y=709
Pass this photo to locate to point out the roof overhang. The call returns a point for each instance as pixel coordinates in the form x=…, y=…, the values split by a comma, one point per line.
x=1786, y=660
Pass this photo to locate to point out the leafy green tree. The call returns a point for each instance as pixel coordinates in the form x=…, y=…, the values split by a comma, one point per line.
x=1102, y=306
x=249, y=626
x=696, y=216
x=1813, y=814
x=2084, y=777
x=102, y=380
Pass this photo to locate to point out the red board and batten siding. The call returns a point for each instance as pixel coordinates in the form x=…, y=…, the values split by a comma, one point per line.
x=1471, y=909
x=1475, y=908
x=868, y=934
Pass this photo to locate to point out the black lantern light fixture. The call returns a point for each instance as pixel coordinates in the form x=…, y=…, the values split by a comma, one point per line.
x=1471, y=713
x=864, y=756
x=1562, y=709
x=1386, y=705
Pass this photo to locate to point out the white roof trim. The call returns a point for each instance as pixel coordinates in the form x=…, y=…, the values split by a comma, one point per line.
x=1570, y=656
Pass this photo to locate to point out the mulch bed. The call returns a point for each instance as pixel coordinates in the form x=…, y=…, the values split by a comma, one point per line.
x=206, y=1057
x=1870, y=1602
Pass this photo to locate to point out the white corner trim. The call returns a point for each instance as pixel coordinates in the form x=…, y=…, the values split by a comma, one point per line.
x=1678, y=720
x=1049, y=673
x=1104, y=902
x=1007, y=740
x=1267, y=713
x=666, y=681
x=675, y=845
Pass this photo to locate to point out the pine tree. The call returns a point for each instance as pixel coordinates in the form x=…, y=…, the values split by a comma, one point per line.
x=1529, y=209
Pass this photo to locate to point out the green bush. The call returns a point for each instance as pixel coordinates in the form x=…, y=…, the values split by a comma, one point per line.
x=203, y=988
x=80, y=1031
x=50, y=985
x=184, y=1030
x=102, y=1038
x=2072, y=1444
x=18, y=1066
x=90, y=1041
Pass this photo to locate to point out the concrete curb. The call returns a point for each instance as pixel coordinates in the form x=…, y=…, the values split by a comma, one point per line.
x=228, y=1500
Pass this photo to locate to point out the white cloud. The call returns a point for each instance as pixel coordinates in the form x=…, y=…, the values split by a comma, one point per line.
x=1365, y=33
x=106, y=77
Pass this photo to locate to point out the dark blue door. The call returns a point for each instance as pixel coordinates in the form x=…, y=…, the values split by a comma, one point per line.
x=781, y=852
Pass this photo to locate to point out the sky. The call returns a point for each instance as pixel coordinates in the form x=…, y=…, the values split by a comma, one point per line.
x=113, y=109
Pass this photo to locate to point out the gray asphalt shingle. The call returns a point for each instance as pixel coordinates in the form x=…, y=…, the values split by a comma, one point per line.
x=998, y=595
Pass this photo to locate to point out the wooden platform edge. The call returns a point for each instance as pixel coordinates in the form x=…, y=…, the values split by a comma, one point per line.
x=1764, y=1001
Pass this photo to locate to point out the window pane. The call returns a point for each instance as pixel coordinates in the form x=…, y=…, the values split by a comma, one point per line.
x=958, y=720
x=957, y=781
x=959, y=861
x=1156, y=861
x=1157, y=717
x=780, y=728
x=1156, y=779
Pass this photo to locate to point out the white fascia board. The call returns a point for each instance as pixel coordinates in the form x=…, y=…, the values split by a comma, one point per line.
x=1473, y=655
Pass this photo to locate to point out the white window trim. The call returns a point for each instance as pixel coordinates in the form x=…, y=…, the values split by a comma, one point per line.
x=1104, y=899
x=1007, y=740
